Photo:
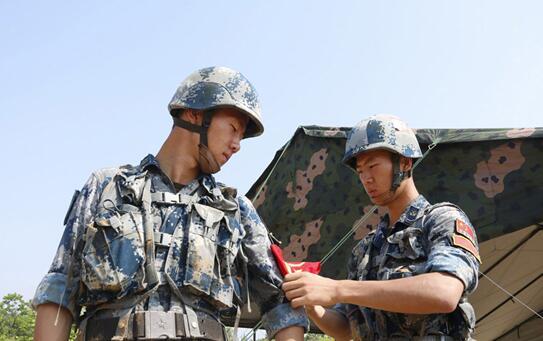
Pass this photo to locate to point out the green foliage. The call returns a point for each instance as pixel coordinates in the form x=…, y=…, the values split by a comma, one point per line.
x=229, y=333
x=317, y=337
x=16, y=318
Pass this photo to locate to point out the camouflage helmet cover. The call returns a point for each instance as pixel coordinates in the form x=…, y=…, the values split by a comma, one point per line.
x=381, y=132
x=219, y=86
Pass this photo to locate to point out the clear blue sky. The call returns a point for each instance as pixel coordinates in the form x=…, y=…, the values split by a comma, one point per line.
x=85, y=85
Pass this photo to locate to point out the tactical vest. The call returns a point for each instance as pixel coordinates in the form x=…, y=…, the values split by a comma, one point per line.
x=371, y=266
x=117, y=248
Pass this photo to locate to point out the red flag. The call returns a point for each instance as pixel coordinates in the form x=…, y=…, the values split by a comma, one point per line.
x=290, y=267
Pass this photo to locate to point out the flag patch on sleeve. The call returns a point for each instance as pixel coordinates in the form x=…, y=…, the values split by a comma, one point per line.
x=465, y=230
x=466, y=244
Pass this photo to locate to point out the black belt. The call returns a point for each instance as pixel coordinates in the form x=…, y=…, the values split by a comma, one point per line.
x=154, y=325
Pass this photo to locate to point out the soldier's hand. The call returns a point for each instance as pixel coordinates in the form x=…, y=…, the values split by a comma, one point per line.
x=304, y=288
x=314, y=311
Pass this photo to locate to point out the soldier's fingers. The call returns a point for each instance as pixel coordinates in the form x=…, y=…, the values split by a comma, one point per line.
x=291, y=285
x=295, y=293
x=293, y=276
x=297, y=302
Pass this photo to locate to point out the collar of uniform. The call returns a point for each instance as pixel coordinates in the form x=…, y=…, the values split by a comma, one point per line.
x=148, y=161
x=414, y=210
x=384, y=222
x=207, y=181
x=381, y=231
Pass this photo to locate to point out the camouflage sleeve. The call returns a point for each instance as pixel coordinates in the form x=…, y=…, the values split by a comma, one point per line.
x=265, y=280
x=61, y=283
x=447, y=227
x=357, y=256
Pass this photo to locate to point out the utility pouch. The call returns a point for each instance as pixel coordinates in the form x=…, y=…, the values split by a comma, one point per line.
x=113, y=255
x=202, y=247
x=228, y=244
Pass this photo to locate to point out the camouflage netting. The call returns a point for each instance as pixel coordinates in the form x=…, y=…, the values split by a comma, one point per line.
x=309, y=200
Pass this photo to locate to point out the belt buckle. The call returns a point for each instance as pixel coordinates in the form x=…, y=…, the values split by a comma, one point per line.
x=159, y=324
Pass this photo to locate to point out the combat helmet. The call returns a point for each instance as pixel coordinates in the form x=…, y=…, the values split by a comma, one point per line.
x=383, y=132
x=210, y=88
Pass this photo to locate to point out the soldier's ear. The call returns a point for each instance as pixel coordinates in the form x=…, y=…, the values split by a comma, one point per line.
x=406, y=164
x=192, y=116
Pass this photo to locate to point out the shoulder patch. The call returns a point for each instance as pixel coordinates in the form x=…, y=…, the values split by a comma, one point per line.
x=465, y=230
x=466, y=244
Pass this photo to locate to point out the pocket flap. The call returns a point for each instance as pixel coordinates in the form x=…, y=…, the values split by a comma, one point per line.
x=407, y=242
x=107, y=219
x=408, y=233
x=209, y=214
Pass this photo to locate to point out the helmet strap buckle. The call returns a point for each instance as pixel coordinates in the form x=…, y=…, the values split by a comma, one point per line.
x=206, y=123
x=398, y=175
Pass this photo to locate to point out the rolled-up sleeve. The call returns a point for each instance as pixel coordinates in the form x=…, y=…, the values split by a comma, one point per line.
x=61, y=283
x=346, y=309
x=283, y=316
x=265, y=280
x=445, y=255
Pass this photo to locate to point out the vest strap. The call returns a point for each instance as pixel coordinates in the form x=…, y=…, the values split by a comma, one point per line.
x=168, y=198
x=162, y=239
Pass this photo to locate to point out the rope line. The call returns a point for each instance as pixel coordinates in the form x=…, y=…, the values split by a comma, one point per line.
x=513, y=297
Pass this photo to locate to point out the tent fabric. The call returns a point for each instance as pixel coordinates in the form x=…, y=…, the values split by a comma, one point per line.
x=531, y=330
x=514, y=262
x=309, y=199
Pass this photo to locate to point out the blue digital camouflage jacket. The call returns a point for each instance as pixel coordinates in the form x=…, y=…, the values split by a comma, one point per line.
x=207, y=242
x=426, y=238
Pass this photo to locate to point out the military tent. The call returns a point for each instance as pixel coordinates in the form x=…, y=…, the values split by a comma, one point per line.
x=309, y=201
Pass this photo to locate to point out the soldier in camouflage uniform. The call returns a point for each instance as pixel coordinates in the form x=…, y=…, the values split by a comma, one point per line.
x=161, y=250
x=408, y=279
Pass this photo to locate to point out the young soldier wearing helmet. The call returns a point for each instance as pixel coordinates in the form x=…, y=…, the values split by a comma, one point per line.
x=159, y=250
x=409, y=279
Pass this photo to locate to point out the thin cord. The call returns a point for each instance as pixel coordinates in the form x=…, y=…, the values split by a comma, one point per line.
x=511, y=295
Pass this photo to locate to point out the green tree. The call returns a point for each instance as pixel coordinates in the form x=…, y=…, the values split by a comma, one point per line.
x=16, y=318
x=317, y=337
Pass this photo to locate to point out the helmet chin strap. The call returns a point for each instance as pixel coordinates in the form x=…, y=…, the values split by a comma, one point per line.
x=398, y=175
x=207, y=162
